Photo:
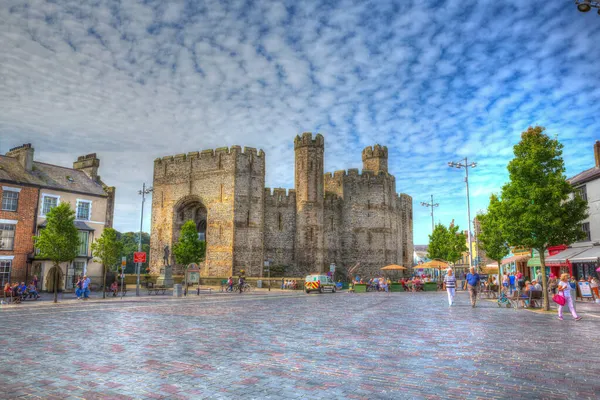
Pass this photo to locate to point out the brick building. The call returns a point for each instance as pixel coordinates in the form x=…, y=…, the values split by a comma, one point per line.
x=29, y=190
x=344, y=217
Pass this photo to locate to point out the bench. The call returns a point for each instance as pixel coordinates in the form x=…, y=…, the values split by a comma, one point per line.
x=157, y=290
x=198, y=290
x=108, y=290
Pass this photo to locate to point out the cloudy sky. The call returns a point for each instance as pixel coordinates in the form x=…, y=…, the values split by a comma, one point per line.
x=435, y=81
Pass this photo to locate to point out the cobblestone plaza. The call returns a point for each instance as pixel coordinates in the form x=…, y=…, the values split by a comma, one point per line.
x=357, y=346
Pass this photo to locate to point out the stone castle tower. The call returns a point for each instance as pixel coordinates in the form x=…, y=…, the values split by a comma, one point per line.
x=343, y=217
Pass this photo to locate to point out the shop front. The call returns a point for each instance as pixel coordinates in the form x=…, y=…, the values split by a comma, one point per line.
x=535, y=264
x=514, y=263
x=586, y=263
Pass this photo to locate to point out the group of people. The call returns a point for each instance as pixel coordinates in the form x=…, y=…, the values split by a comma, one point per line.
x=17, y=292
x=289, y=284
x=82, y=287
x=473, y=282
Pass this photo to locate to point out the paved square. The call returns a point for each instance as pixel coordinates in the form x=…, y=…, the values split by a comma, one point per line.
x=259, y=346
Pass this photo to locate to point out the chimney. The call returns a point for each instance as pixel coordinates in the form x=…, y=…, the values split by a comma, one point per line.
x=24, y=154
x=89, y=164
x=597, y=153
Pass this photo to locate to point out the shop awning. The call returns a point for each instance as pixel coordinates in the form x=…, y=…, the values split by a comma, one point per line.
x=515, y=259
x=564, y=256
x=534, y=262
x=591, y=254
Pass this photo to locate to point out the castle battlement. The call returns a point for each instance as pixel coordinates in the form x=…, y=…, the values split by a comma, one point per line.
x=354, y=172
x=306, y=140
x=210, y=154
x=281, y=196
x=376, y=151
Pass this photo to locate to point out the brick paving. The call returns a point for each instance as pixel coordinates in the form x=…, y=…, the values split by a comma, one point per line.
x=261, y=346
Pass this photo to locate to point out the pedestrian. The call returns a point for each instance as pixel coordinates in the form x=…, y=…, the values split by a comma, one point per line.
x=594, y=285
x=564, y=290
x=230, y=284
x=511, y=280
x=473, y=283
x=520, y=281
x=79, y=288
x=450, y=285
x=86, y=287
x=552, y=284
x=35, y=281
x=505, y=282
x=538, y=277
x=241, y=283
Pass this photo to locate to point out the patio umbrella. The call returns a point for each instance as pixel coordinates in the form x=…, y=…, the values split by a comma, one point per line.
x=393, y=267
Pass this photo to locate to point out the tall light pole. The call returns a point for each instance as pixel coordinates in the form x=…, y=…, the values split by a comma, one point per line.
x=432, y=205
x=466, y=166
x=143, y=192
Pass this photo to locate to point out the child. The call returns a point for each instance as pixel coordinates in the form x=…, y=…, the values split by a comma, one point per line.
x=114, y=287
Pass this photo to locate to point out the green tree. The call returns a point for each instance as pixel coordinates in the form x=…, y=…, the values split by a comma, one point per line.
x=130, y=246
x=447, y=243
x=491, y=237
x=59, y=240
x=189, y=249
x=539, y=206
x=107, y=250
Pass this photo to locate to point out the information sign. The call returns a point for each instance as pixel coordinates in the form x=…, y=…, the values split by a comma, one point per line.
x=139, y=257
x=585, y=289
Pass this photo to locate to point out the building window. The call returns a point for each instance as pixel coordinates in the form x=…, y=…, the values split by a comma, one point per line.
x=84, y=210
x=280, y=222
x=582, y=192
x=48, y=203
x=586, y=229
x=248, y=219
x=10, y=200
x=83, y=243
x=5, y=266
x=7, y=236
x=221, y=194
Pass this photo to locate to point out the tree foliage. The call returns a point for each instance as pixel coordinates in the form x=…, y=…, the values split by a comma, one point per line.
x=189, y=249
x=491, y=237
x=59, y=240
x=107, y=250
x=539, y=205
x=447, y=243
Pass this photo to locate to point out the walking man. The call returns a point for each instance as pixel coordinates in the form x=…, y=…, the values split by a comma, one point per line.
x=450, y=284
x=473, y=283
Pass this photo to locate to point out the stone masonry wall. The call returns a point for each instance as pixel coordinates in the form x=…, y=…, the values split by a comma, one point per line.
x=280, y=229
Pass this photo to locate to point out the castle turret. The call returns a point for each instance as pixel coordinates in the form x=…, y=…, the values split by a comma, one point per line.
x=309, y=202
x=375, y=158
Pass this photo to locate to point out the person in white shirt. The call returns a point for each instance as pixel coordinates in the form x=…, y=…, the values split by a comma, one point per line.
x=564, y=289
x=537, y=286
x=450, y=284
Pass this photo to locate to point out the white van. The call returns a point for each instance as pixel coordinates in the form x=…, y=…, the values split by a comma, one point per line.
x=319, y=283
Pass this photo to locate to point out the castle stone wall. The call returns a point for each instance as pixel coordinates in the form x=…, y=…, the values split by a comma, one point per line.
x=280, y=229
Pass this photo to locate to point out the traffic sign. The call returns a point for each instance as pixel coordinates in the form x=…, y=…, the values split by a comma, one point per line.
x=332, y=268
x=123, y=261
x=139, y=257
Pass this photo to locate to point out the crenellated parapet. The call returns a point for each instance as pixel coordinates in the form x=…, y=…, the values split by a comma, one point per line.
x=306, y=140
x=221, y=158
x=280, y=197
x=376, y=151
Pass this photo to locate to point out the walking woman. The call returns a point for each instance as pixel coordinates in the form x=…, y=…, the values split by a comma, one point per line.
x=450, y=284
x=564, y=290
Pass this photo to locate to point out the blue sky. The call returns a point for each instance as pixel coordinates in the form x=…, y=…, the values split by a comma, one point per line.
x=434, y=81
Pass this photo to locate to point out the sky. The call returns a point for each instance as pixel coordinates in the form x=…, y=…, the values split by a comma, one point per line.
x=433, y=81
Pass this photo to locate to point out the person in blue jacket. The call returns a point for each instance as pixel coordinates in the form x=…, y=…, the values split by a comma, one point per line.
x=473, y=284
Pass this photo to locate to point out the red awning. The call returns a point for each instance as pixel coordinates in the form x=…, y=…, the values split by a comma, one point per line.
x=563, y=258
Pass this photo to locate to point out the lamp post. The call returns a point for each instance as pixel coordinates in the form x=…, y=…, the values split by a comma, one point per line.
x=587, y=5
x=268, y=265
x=465, y=164
x=432, y=205
x=143, y=192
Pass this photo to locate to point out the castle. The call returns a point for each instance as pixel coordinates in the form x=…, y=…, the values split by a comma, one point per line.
x=343, y=217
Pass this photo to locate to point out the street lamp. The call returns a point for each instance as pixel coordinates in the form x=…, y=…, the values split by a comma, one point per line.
x=143, y=192
x=465, y=164
x=432, y=205
x=268, y=266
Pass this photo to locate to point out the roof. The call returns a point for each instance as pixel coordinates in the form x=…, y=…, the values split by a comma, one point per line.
x=564, y=256
x=585, y=176
x=49, y=176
